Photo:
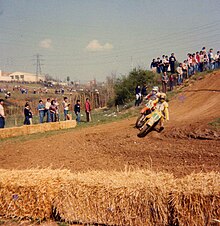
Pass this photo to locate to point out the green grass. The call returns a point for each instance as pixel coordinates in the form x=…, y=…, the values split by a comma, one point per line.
x=62, y=224
x=99, y=116
x=215, y=123
x=173, y=93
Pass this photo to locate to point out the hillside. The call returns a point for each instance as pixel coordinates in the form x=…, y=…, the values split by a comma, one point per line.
x=187, y=144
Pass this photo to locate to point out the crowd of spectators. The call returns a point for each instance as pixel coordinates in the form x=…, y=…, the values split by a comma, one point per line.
x=50, y=111
x=173, y=73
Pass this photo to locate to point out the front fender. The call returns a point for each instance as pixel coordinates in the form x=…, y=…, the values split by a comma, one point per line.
x=155, y=117
x=143, y=110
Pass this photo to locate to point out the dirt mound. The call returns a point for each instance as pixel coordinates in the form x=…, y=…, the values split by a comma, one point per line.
x=194, y=108
x=187, y=144
x=199, y=102
x=193, y=132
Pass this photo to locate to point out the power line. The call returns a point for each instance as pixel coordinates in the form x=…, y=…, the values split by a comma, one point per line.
x=38, y=66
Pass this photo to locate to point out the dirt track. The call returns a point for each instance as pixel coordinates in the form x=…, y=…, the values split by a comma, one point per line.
x=115, y=146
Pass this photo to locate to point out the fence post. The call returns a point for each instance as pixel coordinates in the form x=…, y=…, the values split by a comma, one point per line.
x=16, y=121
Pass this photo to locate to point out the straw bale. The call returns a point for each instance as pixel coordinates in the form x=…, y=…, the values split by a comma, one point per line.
x=39, y=128
x=196, y=200
x=29, y=193
x=121, y=198
x=137, y=197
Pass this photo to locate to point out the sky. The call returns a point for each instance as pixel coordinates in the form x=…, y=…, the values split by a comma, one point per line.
x=93, y=39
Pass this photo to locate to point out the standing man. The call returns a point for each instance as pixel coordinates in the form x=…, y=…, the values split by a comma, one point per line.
x=2, y=114
x=179, y=71
x=217, y=59
x=137, y=95
x=57, y=110
x=66, y=108
x=211, y=60
x=41, y=110
x=144, y=90
x=165, y=80
x=153, y=65
x=77, y=110
x=27, y=114
x=47, y=109
x=88, y=110
x=172, y=61
x=166, y=64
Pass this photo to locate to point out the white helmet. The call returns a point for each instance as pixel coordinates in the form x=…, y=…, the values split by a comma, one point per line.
x=155, y=88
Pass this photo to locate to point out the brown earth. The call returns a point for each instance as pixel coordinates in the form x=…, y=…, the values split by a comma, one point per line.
x=187, y=144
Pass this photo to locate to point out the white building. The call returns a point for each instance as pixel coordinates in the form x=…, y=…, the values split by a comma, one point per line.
x=4, y=76
x=21, y=77
x=27, y=77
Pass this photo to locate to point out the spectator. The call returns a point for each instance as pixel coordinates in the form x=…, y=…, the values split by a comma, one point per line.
x=194, y=63
x=179, y=74
x=164, y=82
x=57, y=110
x=171, y=81
x=77, y=110
x=185, y=69
x=47, y=109
x=172, y=61
x=144, y=90
x=2, y=114
x=159, y=63
x=27, y=114
x=206, y=63
x=217, y=59
x=198, y=61
x=201, y=64
x=189, y=62
x=137, y=95
x=41, y=110
x=204, y=50
x=162, y=63
x=166, y=64
x=88, y=110
x=30, y=114
x=211, y=60
x=66, y=108
x=153, y=66
x=53, y=111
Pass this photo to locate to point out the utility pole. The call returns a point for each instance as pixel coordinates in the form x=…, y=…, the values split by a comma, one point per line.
x=38, y=66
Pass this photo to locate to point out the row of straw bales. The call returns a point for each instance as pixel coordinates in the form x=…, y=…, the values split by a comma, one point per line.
x=37, y=128
x=136, y=197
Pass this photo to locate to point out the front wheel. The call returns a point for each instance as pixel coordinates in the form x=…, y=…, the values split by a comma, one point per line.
x=144, y=131
x=140, y=121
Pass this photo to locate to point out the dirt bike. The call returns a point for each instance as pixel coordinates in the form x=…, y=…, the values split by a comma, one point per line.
x=149, y=107
x=152, y=120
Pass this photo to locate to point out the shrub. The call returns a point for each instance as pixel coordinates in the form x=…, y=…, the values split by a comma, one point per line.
x=125, y=86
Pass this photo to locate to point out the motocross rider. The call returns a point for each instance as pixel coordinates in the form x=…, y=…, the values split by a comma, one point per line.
x=162, y=106
x=153, y=94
